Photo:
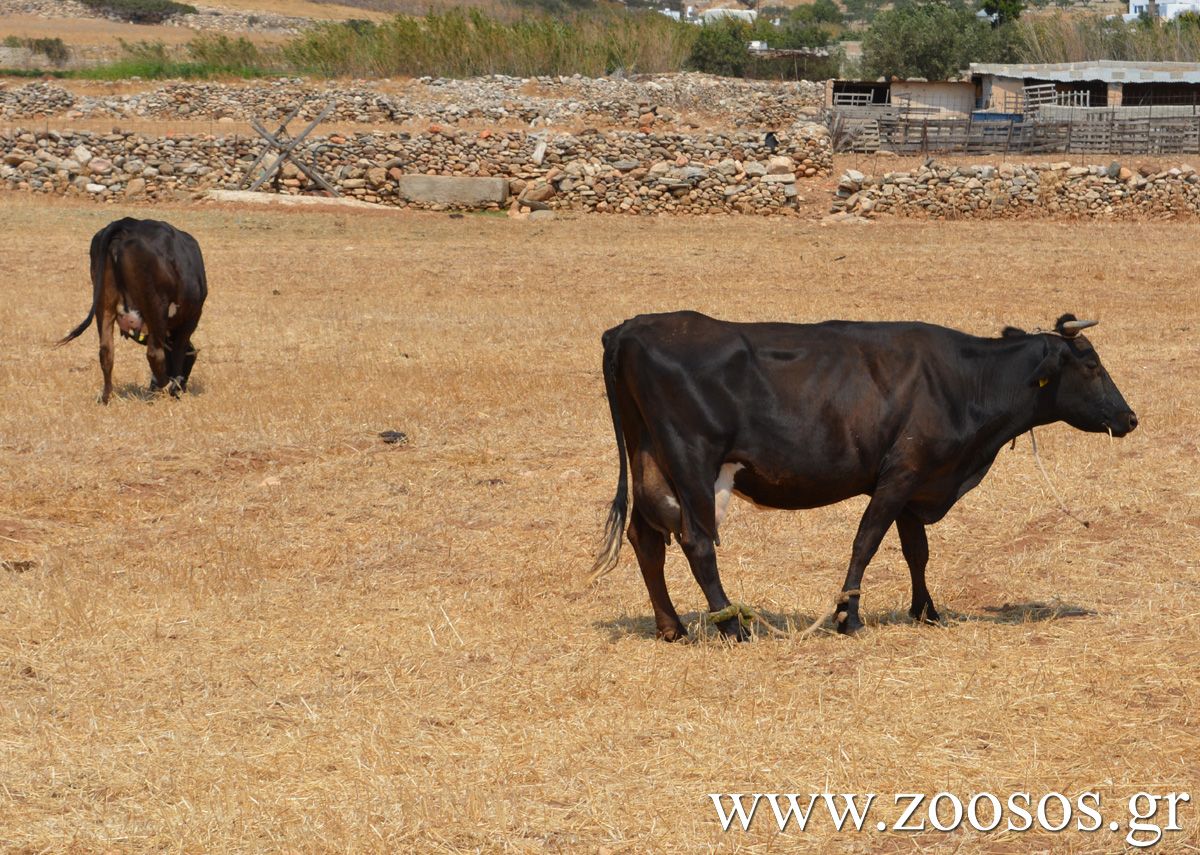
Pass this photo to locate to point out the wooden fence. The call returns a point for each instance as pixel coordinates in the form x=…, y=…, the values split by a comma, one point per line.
x=1097, y=131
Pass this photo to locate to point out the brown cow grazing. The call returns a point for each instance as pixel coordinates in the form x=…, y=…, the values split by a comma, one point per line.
x=148, y=277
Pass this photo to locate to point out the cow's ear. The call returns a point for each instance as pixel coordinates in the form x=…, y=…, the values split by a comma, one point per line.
x=1049, y=367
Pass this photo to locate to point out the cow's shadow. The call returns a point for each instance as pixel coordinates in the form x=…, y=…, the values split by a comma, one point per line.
x=795, y=623
x=142, y=392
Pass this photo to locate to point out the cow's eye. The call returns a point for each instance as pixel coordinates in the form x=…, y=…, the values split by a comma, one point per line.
x=1093, y=365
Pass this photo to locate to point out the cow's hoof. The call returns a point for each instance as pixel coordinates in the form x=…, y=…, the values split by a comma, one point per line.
x=733, y=630
x=927, y=615
x=674, y=633
x=175, y=387
x=848, y=624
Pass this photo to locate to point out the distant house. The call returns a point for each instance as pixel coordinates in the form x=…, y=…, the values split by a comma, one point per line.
x=708, y=16
x=1165, y=11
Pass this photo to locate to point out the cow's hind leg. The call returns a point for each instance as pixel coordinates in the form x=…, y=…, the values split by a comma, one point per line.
x=105, y=318
x=650, y=545
x=701, y=554
x=915, y=546
x=694, y=503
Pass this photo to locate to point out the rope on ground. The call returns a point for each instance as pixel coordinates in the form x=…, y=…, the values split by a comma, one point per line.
x=747, y=616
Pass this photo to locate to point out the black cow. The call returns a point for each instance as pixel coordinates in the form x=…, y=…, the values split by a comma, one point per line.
x=148, y=277
x=805, y=415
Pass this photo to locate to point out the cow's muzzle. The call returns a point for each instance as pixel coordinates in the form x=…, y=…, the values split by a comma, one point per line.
x=1123, y=424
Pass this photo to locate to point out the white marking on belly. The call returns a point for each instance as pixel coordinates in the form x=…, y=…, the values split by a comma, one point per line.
x=723, y=488
x=171, y=310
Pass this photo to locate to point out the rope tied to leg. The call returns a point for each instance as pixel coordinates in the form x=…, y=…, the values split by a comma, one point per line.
x=746, y=615
x=837, y=612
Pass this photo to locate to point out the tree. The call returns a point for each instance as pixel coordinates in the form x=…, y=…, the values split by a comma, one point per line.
x=862, y=10
x=819, y=12
x=721, y=48
x=934, y=40
x=1004, y=11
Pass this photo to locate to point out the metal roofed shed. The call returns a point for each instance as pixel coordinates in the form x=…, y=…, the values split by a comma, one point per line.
x=1104, y=106
x=1101, y=83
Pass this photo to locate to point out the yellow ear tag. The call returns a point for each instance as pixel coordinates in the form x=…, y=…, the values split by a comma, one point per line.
x=1043, y=382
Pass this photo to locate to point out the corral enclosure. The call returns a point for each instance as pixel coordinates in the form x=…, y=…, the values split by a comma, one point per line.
x=240, y=622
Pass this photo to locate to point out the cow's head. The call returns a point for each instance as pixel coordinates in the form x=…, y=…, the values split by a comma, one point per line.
x=1075, y=385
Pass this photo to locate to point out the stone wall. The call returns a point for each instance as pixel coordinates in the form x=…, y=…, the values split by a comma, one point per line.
x=1022, y=190
x=622, y=171
x=205, y=18
x=666, y=101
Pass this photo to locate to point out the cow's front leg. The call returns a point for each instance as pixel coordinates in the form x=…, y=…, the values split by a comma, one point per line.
x=881, y=512
x=181, y=356
x=702, y=557
x=915, y=546
x=156, y=355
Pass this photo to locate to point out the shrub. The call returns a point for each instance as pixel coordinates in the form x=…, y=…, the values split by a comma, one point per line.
x=53, y=49
x=461, y=43
x=140, y=11
x=221, y=54
x=1082, y=38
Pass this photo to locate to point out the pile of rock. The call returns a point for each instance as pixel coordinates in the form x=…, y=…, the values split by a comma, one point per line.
x=652, y=173
x=619, y=171
x=676, y=100
x=641, y=100
x=105, y=165
x=207, y=19
x=269, y=102
x=1016, y=190
x=46, y=8
x=33, y=99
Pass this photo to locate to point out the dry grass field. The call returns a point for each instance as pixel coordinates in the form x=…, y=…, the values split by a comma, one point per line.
x=239, y=622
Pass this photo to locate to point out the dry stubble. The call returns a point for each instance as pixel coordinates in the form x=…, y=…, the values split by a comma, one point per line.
x=239, y=622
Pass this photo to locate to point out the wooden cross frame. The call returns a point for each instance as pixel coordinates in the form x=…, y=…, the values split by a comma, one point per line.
x=286, y=151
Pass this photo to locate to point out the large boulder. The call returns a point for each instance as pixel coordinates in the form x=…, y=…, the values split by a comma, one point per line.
x=462, y=191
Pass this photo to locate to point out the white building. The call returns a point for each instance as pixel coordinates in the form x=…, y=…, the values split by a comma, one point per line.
x=1166, y=11
x=708, y=16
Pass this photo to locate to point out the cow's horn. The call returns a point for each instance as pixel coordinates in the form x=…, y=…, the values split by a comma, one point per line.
x=1071, y=328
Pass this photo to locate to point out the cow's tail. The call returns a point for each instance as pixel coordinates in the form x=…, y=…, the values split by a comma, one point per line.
x=614, y=526
x=78, y=331
x=101, y=244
